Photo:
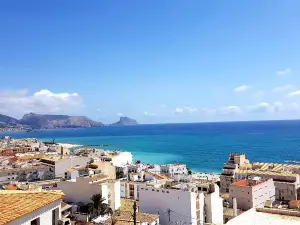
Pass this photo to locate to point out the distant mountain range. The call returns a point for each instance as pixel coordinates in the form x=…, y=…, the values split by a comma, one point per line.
x=39, y=121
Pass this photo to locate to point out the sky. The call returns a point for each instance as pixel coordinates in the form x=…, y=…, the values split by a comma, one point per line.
x=156, y=61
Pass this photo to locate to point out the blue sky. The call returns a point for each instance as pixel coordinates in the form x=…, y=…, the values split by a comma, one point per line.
x=156, y=61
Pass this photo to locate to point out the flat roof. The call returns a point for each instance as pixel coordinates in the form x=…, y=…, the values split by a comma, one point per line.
x=15, y=204
x=252, y=217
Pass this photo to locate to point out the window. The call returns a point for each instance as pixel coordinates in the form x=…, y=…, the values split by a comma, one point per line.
x=35, y=222
x=54, y=216
x=248, y=192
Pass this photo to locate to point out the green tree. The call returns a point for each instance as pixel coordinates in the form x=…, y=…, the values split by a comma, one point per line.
x=98, y=207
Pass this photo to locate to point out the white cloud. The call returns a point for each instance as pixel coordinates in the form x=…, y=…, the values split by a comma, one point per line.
x=242, y=88
x=284, y=88
x=293, y=94
x=185, y=110
x=230, y=110
x=178, y=110
x=18, y=102
x=258, y=108
x=284, y=72
x=149, y=114
x=98, y=109
x=120, y=114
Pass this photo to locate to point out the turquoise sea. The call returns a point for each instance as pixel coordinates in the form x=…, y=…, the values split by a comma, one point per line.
x=202, y=146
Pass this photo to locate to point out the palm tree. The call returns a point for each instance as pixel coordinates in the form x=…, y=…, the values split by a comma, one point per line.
x=98, y=207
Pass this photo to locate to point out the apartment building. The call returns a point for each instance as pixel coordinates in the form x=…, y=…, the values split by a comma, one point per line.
x=22, y=207
x=62, y=163
x=174, y=169
x=182, y=206
x=26, y=173
x=81, y=189
x=251, y=193
x=286, y=183
x=130, y=188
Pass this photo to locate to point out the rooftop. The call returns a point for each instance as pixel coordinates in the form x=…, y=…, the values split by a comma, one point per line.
x=252, y=217
x=127, y=217
x=15, y=204
x=246, y=183
x=127, y=205
x=96, y=177
x=9, y=170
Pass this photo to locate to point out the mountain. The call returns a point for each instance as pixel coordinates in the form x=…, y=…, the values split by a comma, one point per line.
x=8, y=120
x=39, y=121
x=125, y=121
x=8, y=123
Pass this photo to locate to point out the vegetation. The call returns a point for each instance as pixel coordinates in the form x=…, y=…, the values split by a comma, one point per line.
x=98, y=207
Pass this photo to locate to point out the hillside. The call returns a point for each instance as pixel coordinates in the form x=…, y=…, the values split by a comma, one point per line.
x=39, y=121
x=8, y=120
x=125, y=121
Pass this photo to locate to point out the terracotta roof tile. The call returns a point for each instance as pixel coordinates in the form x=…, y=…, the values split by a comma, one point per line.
x=15, y=204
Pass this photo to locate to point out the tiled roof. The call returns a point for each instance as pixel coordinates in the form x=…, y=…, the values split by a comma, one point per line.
x=9, y=170
x=127, y=205
x=271, y=173
x=15, y=204
x=245, y=183
x=126, y=217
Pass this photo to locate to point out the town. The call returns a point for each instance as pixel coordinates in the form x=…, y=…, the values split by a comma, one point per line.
x=45, y=183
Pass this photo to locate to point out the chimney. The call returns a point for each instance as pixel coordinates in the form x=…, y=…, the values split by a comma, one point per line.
x=234, y=207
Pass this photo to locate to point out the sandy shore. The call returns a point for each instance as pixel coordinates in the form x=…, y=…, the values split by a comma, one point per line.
x=67, y=145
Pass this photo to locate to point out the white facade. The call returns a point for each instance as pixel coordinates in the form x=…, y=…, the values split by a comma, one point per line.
x=174, y=169
x=44, y=215
x=189, y=207
x=185, y=207
x=214, y=206
x=31, y=173
x=82, y=189
x=62, y=165
x=251, y=193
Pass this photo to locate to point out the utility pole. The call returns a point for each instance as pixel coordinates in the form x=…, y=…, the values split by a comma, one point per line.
x=134, y=213
x=169, y=215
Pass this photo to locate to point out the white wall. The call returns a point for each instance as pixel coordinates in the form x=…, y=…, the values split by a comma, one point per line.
x=81, y=190
x=214, y=207
x=44, y=213
x=62, y=165
x=154, y=200
x=117, y=195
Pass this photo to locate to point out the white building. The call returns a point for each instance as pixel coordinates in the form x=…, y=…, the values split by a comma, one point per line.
x=26, y=208
x=130, y=188
x=286, y=183
x=174, y=169
x=61, y=163
x=180, y=206
x=81, y=189
x=251, y=193
x=28, y=173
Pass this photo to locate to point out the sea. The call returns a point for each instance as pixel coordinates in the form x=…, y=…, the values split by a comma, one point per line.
x=204, y=147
